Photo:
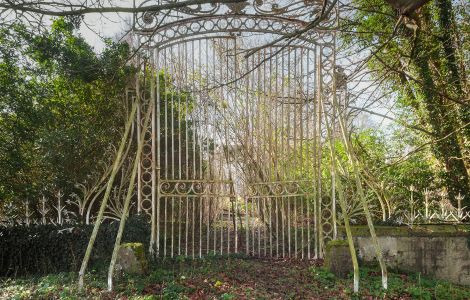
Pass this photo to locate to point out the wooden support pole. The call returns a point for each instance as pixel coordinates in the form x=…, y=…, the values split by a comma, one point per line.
x=104, y=202
x=130, y=190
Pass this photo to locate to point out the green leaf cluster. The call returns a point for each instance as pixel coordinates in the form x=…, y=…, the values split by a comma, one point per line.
x=61, y=108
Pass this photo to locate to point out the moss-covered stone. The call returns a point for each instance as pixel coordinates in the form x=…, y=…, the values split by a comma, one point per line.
x=131, y=258
x=336, y=243
x=338, y=258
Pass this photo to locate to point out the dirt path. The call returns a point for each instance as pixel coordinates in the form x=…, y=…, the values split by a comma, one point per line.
x=250, y=279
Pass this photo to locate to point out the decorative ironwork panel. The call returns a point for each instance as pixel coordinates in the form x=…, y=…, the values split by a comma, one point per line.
x=232, y=159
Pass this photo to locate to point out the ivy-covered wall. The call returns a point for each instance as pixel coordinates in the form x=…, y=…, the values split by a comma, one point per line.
x=44, y=249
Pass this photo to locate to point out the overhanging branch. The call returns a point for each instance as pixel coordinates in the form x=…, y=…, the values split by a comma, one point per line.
x=62, y=10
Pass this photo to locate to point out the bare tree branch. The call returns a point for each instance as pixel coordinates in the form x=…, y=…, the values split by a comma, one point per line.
x=59, y=9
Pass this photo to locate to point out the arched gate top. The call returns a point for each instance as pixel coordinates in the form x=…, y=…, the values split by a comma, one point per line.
x=253, y=16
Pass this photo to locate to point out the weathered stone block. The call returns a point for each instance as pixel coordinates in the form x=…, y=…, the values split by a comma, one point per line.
x=441, y=251
x=338, y=258
x=131, y=259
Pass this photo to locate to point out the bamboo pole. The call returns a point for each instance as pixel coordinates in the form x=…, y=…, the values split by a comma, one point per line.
x=342, y=202
x=109, y=186
x=352, y=160
x=368, y=180
x=130, y=190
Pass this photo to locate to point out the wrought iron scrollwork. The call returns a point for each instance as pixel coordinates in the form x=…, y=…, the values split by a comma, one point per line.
x=279, y=189
x=195, y=188
x=293, y=10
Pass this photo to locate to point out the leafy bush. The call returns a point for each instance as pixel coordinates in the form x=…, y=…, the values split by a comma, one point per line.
x=323, y=276
x=173, y=291
x=44, y=249
x=418, y=292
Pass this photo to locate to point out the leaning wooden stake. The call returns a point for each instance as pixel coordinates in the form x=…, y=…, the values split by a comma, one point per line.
x=109, y=186
x=370, y=224
x=130, y=191
x=342, y=202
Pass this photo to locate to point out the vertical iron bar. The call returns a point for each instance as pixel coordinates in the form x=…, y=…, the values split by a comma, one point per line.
x=235, y=142
x=253, y=149
x=193, y=224
x=213, y=163
x=277, y=149
x=173, y=88
x=265, y=151
x=186, y=225
x=289, y=82
x=319, y=179
x=179, y=90
x=301, y=124
x=253, y=204
x=295, y=152
x=206, y=121
x=247, y=227
x=227, y=142
x=156, y=219
x=315, y=157
x=139, y=168
x=333, y=190
x=166, y=78
x=195, y=134
x=308, y=154
x=153, y=136
x=282, y=150
x=247, y=151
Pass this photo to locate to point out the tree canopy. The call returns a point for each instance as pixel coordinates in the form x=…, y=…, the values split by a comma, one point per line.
x=61, y=108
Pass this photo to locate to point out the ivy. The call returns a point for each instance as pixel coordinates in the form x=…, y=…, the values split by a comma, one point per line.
x=45, y=249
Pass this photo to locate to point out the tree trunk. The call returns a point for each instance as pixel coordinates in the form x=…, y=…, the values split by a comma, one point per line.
x=443, y=123
x=448, y=38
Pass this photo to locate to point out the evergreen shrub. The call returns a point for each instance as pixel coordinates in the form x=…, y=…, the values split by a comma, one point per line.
x=45, y=249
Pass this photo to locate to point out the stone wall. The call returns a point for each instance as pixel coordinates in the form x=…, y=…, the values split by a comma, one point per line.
x=440, y=251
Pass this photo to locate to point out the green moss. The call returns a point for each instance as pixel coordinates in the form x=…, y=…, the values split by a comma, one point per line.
x=417, y=230
x=336, y=243
x=331, y=250
x=138, y=248
x=139, y=251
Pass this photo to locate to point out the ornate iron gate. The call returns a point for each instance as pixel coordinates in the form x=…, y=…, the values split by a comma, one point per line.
x=231, y=162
